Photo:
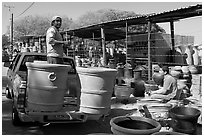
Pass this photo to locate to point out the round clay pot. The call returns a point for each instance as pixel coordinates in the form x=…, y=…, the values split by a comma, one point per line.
x=123, y=91
x=158, y=78
x=184, y=119
x=123, y=125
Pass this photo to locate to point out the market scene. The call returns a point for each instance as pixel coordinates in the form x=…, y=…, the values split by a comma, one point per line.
x=122, y=75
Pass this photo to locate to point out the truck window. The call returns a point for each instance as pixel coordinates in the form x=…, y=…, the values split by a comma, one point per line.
x=31, y=58
x=70, y=62
x=15, y=61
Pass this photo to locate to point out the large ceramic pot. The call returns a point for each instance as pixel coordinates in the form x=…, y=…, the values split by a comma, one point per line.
x=133, y=125
x=47, y=84
x=97, y=86
x=184, y=119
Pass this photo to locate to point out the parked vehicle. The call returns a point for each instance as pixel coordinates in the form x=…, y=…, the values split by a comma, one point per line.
x=16, y=90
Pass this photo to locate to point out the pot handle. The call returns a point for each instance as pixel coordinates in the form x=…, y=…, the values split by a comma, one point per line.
x=52, y=76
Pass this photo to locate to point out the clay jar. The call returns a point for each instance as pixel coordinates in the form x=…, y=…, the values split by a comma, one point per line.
x=123, y=91
x=120, y=73
x=138, y=84
x=139, y=88
x=158, y=78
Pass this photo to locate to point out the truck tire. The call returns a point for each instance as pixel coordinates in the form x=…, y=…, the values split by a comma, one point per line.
x=8, y=94
x=15, y=117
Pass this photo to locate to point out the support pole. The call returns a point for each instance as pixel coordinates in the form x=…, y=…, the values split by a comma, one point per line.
x=11, y=32
x=149, y=53
x=66, y=39
x=172, y=40
x=103, y=46
x=126, y=40
x=39, y=45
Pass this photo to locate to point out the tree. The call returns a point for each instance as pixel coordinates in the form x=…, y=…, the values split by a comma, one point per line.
x=100, y=16
x=36, y=25
x=5, y=41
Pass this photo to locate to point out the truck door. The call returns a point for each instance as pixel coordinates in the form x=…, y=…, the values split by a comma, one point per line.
x=11, y=71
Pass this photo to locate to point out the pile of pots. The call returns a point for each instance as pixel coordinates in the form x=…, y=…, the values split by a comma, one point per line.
x=183, y=121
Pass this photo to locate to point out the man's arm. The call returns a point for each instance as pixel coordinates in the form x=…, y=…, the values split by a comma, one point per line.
x=159, y=91
x=52, y=40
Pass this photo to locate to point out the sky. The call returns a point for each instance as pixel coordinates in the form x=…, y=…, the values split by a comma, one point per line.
x=190, y=26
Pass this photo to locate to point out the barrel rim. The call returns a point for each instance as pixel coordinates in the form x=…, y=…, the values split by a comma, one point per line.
x=33, y=64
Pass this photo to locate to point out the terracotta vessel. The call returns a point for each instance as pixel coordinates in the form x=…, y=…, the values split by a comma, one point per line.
x=133, y=125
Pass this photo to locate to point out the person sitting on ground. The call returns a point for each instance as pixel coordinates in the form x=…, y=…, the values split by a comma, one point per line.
x=169, y=89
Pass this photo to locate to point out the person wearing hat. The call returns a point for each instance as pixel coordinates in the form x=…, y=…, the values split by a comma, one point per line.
x=55, y=42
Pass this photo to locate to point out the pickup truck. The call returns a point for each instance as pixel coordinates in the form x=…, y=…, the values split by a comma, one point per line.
x=16, y=90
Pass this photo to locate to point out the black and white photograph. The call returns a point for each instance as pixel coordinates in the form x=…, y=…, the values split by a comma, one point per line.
x=101, y=67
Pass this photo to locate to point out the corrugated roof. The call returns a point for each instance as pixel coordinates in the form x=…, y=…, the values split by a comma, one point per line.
x=166, y=16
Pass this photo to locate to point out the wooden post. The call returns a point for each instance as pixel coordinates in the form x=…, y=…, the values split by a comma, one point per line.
x=11, y=33
x=126, y=39
x=149, y=53
x=39, y=45
x=66, y=39
x=103, y=46
x=172, y=40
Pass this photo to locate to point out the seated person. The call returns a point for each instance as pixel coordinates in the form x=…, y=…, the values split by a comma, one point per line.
x=169, y=89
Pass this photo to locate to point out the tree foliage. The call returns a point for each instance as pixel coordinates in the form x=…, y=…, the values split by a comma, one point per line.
x=5, y=41
x=36, y=25
x=100, y=16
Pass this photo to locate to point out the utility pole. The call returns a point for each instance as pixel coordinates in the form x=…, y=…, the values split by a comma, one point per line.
x=11, y=26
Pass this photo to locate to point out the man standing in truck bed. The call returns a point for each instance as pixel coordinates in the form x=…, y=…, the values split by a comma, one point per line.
x=55, y=42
